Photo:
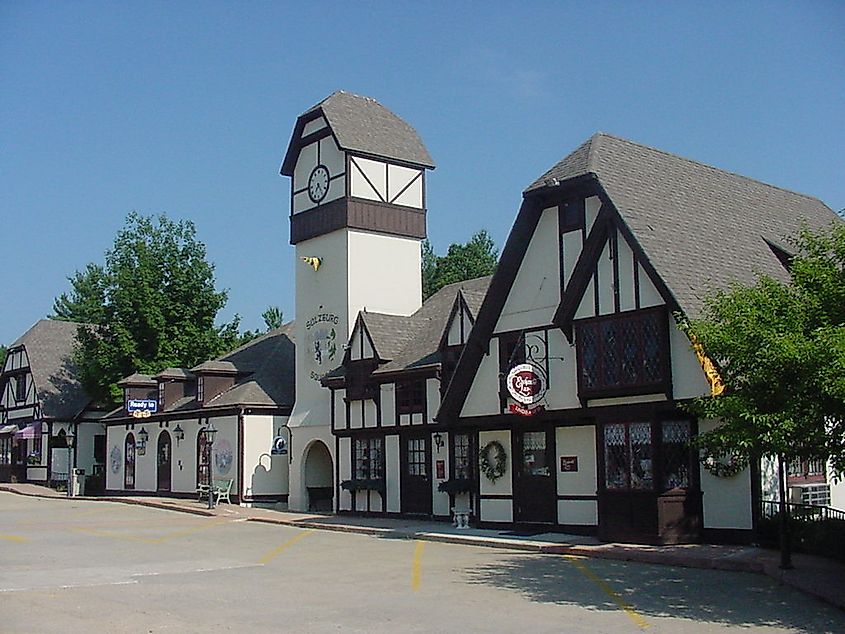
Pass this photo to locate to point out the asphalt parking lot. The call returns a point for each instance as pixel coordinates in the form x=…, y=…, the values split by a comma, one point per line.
x=84, y=566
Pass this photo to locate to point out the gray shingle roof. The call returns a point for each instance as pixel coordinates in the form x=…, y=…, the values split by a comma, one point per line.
x=426, y=326
x=137, y=379
x=270, y=364
x=390, y=333
x=49, y=346
x=220, y=367
x=701, y=227
x=364, y=126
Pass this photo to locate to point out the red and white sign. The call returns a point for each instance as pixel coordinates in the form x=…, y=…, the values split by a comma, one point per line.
x=515, y=408
x=526, y=384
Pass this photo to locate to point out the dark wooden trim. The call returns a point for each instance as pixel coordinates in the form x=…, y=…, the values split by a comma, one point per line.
x=241, y=471
x=354, y=163
x=358, y=213
x=490, y=496
x=614, y=255
x=588, y=498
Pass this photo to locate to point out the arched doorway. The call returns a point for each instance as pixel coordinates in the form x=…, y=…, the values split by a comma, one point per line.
x=163, y=459
x=129, y=462
x=318, y=477
x=203, y=459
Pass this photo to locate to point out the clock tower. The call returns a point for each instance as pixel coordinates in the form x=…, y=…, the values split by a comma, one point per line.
x=357, y=220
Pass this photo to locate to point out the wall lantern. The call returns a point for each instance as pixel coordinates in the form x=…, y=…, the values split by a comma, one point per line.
x=141, y=444
x=179, y=433
x=438, y=441
x=209, y=432
x=69, y=437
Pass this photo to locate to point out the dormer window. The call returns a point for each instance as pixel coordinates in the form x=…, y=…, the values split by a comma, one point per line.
x=161, y=394
x=200, y=389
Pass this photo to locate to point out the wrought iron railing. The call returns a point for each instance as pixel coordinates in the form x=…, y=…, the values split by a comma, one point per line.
x=806, y=512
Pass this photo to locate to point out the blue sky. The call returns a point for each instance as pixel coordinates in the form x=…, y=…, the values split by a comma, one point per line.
x=187, y=108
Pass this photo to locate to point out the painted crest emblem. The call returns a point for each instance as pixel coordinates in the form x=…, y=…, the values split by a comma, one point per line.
x=115, y=459
x=526, y=384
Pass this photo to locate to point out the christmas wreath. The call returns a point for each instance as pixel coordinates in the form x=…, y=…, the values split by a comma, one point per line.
x=726, y=466
x=493, y=468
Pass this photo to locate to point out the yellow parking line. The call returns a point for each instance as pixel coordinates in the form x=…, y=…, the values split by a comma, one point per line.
x=277, y=551
x=635, y=616
x=14, y=538
x=416, y=566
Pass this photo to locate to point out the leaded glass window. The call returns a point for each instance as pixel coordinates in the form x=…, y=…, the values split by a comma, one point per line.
x=462, y=461
x=628, y=457
x=416, y=457
x=623, y=353
x=675, y=453
x=368, y=459
x=534, y=458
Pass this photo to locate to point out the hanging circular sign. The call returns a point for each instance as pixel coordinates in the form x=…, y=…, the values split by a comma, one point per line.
x=526, y=384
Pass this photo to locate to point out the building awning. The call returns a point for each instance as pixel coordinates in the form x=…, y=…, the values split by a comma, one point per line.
x=30, y=431
x=8, y=429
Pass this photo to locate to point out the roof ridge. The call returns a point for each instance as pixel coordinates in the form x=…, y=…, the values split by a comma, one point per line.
x=699, y=164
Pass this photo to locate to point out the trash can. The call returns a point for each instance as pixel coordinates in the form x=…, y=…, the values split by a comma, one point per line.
x=78, y=482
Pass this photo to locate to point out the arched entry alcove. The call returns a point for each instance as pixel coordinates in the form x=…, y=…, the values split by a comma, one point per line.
x=318, y=479
x=163, y=463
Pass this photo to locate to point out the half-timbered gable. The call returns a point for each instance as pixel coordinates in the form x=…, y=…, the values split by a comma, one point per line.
x=399, y=437
x=576, y=367
x=40, y=400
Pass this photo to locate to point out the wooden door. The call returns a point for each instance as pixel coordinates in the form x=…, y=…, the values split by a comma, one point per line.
x=535, y=491
x=163, y=459
x=416, y=479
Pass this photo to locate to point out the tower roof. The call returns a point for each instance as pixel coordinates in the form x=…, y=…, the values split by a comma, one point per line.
x=363, y=126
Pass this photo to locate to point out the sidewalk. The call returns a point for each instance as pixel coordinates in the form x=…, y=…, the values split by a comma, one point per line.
x=817, y=576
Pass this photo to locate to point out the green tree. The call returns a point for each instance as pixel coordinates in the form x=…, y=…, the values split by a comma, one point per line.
x=152, y=305
x=476, y=258
x=3, y=350
x=273, y=317
x=780, y=350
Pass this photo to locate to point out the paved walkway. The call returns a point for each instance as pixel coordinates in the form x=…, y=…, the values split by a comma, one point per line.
x=817, y=576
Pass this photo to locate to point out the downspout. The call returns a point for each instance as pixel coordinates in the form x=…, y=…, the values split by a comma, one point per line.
x=241, y=487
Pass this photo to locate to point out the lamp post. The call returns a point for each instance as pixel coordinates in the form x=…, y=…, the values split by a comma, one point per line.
x=69, y=439
x=209, y=433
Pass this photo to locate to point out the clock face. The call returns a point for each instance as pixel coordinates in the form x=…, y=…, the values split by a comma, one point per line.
x=318, y=183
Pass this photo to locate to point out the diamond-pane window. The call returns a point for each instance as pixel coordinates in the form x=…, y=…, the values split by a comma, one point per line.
x=623, y=353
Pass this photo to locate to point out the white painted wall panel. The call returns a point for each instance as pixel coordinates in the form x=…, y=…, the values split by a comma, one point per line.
x=264, y=473
x=454, y=336
x=398, y=179
x=391, y=463
x=365, y=180
x=563, y=379
x=384, y=273
x=587, y=307
x=432, y=390
x=332, y=157
x=305, y=162
x=483, y=395
x=502, y=486
x=370, y=414
x=648, y=292
x=535, y=294
x=578, y=512
x=572, y=244
x=412, y=196
x=376, y=502
x=627, y=300
x=727, y=501
x=605, y=281
x=368, y=347
x=497, y=511
x=388, y=404
x=301, y=202
x=339, y=409
x=591, y=208
x=579, y=442
x=344, y=459
x=356, y=415
x=688, y=379
x=440, y=501
x=313, y=126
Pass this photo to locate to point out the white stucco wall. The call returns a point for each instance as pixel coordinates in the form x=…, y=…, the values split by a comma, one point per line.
x=497, y=510
x=579, y=442
x=264, y=473
x=535, y=294
x=727, y=501
x=440, y=501
x=392, y=471
x=688, y=379
x=563, y=378
x=483, y=395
